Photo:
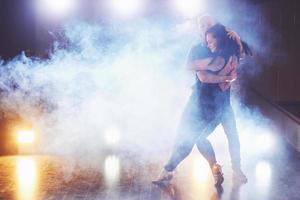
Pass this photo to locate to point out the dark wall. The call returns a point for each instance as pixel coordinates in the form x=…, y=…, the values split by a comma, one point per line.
x=279, y=80
x=17, y=27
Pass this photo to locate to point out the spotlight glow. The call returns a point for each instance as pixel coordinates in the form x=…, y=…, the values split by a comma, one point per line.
x=266, y=142
x=263, y=173
x=25, y=136
x=112, y=136
x=201, y=170
x=189, y=8
x=126, y=8
x=56, y=8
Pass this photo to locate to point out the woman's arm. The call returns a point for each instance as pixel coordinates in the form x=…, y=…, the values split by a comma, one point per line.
x=206, y=64
x=230, y=65
x=226, y=85
x=208, y=77
x=229, y=69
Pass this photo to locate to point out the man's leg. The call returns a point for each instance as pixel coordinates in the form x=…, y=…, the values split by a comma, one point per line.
x=183, y=146
x=189, y=129
x=229, y=125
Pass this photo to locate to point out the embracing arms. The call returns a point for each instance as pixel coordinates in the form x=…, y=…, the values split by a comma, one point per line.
x=211, y=64
x=226, y=75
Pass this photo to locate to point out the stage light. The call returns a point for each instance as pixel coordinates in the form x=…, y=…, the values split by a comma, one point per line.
x=56, y=8
x=25, y=136
x=263, y=173
x=266, y=142
x=189, y=8
x=112, y=136
x=126, y=8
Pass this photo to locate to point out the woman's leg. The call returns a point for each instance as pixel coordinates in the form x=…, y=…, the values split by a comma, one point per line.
x=204, y=146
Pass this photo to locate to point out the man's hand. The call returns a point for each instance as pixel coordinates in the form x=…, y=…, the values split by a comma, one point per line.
x=234, y=36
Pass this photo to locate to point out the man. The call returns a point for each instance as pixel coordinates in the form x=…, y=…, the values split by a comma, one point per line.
x=201, y=60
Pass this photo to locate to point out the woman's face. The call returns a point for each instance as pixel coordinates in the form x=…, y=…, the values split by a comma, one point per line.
x=211, y=42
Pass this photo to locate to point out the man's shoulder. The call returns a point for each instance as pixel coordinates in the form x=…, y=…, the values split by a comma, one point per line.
x=199, y=46
x=199, y=50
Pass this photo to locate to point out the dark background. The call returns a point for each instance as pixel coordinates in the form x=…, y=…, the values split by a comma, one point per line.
x=278, y=79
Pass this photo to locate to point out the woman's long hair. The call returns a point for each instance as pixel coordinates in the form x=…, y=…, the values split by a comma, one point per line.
x=227, y=47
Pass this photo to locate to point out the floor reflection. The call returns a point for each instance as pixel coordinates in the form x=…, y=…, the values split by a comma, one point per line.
x=127, y=177
x=112, y=170
x=27, y=177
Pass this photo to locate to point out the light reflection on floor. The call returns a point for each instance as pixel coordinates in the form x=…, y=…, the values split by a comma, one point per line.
x=27, y=176
x=112, y=170
x=116, y=176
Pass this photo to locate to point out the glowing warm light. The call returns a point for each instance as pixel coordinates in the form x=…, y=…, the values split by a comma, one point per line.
x=189, y=8
x=126, y=8
x=201, y=177
x=25, y=136
x=112, y=136
x=27, y=178
x=112, y=170
x=265, y=142
x=201, y=170
x=263, y=173
x=56, y=8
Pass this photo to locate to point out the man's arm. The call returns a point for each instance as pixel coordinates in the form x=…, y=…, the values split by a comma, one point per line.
x=206, y=64
x=234, y=36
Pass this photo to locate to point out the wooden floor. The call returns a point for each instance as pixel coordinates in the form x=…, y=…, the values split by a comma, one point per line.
x=115, y=176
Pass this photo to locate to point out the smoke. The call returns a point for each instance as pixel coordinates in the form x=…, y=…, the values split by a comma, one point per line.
x=128, y=78
x=254, y=25
x=120, y=85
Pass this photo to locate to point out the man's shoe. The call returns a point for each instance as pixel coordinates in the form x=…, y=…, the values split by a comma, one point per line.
x=164, y=178
x=239, y=176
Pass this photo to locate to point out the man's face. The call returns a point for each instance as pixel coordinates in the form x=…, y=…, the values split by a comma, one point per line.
x=211, y=42
x=205, y=23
